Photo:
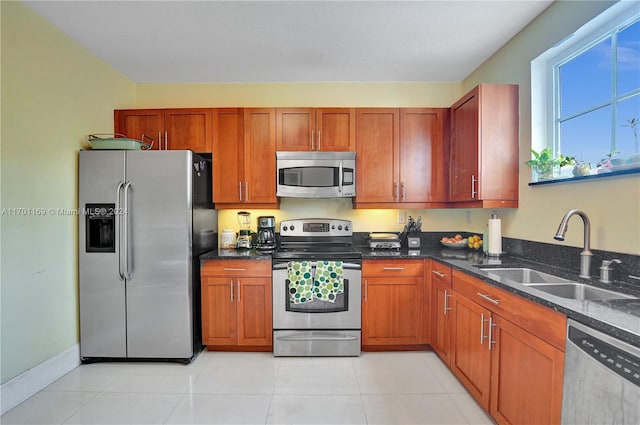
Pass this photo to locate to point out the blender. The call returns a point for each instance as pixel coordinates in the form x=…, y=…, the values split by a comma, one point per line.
x=244, y=236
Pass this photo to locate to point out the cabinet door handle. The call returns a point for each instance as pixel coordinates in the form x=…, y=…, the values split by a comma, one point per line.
x=319, y=140
x=482, y=335
x=403, y=195
x=240, y=183
x=474, y=180
x=396, y=191
x=159, y=140
x=488, y=298
x=439, y=274
x=231, y=286
x=366, y=289
x=393, y=268
x=491, y=325
x=246, y=191
x=233, y=269
x=166, y=140
x=238, y=282
x=446, y=307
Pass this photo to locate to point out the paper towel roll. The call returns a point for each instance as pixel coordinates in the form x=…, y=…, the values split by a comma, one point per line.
x=495, y=236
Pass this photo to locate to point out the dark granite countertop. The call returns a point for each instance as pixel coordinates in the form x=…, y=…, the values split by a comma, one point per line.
x=619, y=318
x=235, y=254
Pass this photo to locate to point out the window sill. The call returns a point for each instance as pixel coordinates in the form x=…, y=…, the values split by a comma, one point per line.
x=589, y=177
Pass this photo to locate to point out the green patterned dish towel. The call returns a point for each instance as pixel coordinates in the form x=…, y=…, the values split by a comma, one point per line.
x=300, y=282
x=329, y=280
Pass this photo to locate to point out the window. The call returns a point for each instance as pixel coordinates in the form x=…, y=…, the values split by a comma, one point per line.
x=586, y=94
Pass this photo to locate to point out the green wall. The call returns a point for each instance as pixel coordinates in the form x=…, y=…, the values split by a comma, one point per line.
x=54, y=93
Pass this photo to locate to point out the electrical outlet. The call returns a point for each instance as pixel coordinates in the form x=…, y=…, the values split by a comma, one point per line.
x=468, y=216
x=402, y=217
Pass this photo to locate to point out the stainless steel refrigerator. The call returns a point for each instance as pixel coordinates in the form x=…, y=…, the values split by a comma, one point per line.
x=145, y=217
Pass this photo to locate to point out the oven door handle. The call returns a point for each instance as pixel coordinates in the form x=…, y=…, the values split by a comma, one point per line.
x=346, y=266
x=317, y=338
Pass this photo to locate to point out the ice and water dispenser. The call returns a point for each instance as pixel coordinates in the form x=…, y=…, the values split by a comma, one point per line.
x=100, y=227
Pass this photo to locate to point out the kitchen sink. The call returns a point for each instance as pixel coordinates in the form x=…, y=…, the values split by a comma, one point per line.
x=578, y=291
x=553, y=285
x=523, y=275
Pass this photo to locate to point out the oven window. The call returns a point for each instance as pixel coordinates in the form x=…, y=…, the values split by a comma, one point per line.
x=309, y=176
x=318, y=306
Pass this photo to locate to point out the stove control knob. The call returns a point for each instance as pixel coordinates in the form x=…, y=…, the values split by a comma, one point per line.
x=346, y=228
x=292, y=227
x=333, y=227
x=340, y=227
x=285, y=228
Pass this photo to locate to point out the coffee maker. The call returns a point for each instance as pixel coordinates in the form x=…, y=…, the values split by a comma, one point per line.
x=266, y=237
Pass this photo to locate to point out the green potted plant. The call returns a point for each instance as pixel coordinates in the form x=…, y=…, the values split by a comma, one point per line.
x=545, y=164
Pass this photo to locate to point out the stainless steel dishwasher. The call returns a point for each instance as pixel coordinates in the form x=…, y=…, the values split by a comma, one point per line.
x=601, y=378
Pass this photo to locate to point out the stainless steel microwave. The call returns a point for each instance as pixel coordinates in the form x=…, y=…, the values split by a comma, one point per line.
x=316, y=174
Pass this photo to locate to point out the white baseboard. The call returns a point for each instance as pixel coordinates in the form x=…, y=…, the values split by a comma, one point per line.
x=20, y=388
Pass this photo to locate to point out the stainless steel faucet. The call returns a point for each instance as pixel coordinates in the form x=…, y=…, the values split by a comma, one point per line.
x=585, y=255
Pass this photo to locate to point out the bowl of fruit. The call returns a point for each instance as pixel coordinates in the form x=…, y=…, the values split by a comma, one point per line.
x=474, y=242
x=456, y=242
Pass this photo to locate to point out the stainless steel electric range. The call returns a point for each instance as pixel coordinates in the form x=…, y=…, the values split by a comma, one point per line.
x=316, y=289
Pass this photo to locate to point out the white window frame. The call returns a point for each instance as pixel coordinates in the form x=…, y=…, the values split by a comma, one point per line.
x=545, y=104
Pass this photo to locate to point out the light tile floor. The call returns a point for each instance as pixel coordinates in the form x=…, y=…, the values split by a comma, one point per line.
x=257, y=388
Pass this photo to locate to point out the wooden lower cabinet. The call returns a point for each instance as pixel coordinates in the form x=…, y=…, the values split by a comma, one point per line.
x=526, y=379
x=440, y=338
x=470, y=361
x=237, y=304
x=393, y=307
x=513, y=374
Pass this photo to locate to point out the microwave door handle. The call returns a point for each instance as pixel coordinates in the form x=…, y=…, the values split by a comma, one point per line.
x=340, y=178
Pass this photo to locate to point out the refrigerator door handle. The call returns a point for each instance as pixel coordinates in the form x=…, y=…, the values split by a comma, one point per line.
x=120, y=231
x=125, y=214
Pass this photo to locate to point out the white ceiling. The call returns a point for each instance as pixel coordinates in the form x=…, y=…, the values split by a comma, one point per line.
x=272, y=41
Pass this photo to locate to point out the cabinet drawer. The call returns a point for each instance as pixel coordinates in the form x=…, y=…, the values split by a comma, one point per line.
x=440, y=273
x=236, y=268
x=381, y=268
x=545, y=323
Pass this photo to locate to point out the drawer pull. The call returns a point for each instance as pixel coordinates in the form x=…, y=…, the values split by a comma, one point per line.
x=393, y=268
x=488, y=298
x=231, y=269
x=439, y=274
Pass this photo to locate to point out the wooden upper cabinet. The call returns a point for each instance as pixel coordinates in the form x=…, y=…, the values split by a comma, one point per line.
x=244, y=158
x=377, y=135
x=140, y=124
x=228, y=154
x=423, y=168
x=173, y=129
x=188, y=129
x=315, y=129
x=483, y=160
x=401, y=158
x=259, y=188
x=336, y=129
